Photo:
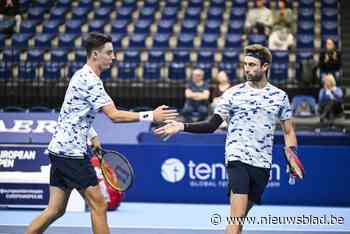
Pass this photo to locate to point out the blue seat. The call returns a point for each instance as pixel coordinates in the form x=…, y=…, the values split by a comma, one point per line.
x=189, y=26
x=151, y=3
x=181, y=56
x=298, y=100
x=20, y=40
x=173, y=3
x=147, y=13
x=257, y=39
x=11, y=56
x=137, y=40
x=86, y=4
x=131, y=56
x=40, y=109
x=279, y=72
x=305, y=41
x=142, y=26
x=102, y=13
x=36, y=13
x=195, y=3
x=329, y=4
x=169, y=13
x=280, y=56
x=306, y=3
x=206, y=57
x=236, y=26
x=25, y=4
x=28, y=26
x=177, y=72
x=233, y=40
x=306, y=14
x=2, y=40
x=5, y=71
x=73, y=26
x=130, y=3
x=238, y=13
x=117, y=39
x=73, y=67
x=165, y=26
x=63, y=3
x=209, y=40
x=215, y=12
x=329, y=14
x=212, y=26
x=306, y=27
x=27, y=72
x=58, y=13
x=240, y=3
x=67, y=40
x=59, y=55
x=119, y=26
x=80, y=56
x=35, y=55
x=303, y=55
x=229, y=68
x=185, y=40
x=52, y=71
x=193, y=13
x=80, y=13
x=43, y=40
x=14, y=109
x=44, y=3
x=161, y=40
x=329, y=28
x=156, y=56
x=107, y=3
x=51, y=26
x=106, y=75
x=126, y=71
x=217, y=4
x=230, y=56
x=151, y=72
x=124, y=13
x=97, y=26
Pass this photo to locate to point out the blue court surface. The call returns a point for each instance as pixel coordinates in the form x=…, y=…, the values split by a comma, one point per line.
x=159, y=218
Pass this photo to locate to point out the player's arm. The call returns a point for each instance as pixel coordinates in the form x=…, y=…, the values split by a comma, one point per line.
x=160, y=114
x=173, y=127
x=289, y=133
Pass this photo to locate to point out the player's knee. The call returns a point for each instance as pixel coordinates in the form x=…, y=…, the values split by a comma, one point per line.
x=99, y=205
x=55, y=213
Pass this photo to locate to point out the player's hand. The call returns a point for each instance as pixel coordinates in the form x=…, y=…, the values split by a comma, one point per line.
x=172, y=127
x=96, y=146
x=163, y=113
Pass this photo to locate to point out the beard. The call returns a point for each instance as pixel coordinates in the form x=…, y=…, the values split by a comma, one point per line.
x=255, y=78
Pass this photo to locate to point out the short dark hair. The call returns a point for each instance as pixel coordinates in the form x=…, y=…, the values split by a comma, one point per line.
x=95, y=40
x=260, y=51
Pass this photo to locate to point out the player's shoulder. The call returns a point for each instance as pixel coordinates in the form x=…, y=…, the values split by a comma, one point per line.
x=273, y=90
x=85, y=76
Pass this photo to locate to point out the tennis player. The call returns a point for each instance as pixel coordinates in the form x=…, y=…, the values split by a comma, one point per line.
x=251, y=110
x=70, y=167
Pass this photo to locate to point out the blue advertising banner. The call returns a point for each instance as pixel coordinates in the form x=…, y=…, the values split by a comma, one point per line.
x=38, y=128
x=187, y=174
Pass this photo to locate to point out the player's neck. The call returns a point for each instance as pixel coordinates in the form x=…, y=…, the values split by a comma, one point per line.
x=94, y=68
x=258, y=84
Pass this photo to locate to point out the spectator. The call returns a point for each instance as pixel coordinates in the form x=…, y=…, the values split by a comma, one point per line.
x=259, y=19
x=222, y=83
x=197, y=97
x=330, y=100
x=281, y=39
x=330, y=60
x=283, y=16
x=10, y=18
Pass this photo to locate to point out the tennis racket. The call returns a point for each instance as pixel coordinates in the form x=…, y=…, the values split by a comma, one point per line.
x=295, y=166
x=116, y=169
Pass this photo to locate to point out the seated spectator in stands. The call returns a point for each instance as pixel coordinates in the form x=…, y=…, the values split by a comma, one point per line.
x=281, y=39
x=197, y=97
x=303, y=110
x=10, y=18
x=330, y=100
x=222, y=83
x=283, y=16
x=330, y=60
x=259, y=19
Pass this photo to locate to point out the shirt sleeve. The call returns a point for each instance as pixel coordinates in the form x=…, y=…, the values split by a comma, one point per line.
x=96, y=95
x=285, y=109
x=224, y=105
